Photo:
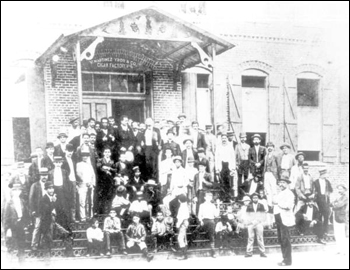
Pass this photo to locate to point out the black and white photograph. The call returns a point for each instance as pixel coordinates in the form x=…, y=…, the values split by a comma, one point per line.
x=174, y=134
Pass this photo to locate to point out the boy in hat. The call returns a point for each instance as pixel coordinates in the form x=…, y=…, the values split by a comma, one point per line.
x=286, y=161
x=162, y=233
x=136, y=235
x=60, y=149
x=257, y=157
x=86, y=181
x=179, y=181
x=94, y=237
x=223, y=230
x=256, y=217
x=16, y=219
x=207, y=214
x=308, y=216
x=23, y=180
x=284, y=217
x=303, y=186
x=37, y=191
x=121, y=204
x=202, y=183
x=323, y=190
x=202, y=158
x=225, y=160
x=270, y=173
x=137, y=183
x=242, y=161
x=47, y=160
x=112, y=230
x=63, y=188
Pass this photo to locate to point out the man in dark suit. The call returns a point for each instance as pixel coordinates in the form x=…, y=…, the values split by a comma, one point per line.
x=256, y=216
x=323, y=190
x=77, y=140
x=106, y=138
x=189, y=151
x=60, y=149
x=202, y=158
x=124, y=136
x=63, y=188
x=47, y=160
x=170, y=143
x=198, y=137
x=203, y=181
x=151, y=147
x=309, y=216
x=34, y=168
x=257, y=157
x=16, y=218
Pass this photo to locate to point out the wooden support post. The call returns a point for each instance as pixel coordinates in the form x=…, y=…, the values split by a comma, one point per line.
x=212, y=92
x=80, y=82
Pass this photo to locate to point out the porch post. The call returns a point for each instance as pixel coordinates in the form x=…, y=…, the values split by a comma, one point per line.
x=79, y=77
x=212, y=92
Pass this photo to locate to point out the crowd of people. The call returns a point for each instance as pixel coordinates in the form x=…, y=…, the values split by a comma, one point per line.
x=152, y=178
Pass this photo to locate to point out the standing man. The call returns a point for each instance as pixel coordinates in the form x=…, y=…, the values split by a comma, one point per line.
x=182, y=216
x=60, y=149
x=23, y=180
x=34, y=168
x=323, y=190
x=74, y=129
x=106, y=138
x=270, y=173
x=297, y=170
x=189, y=152
x=257, y=157
x=225, y=165
x=210, y=139
x=284, y=217
x=124, y=135
x=197, y=136
x=37, y=191
x=243, y=164
x=206, y=216
x=111, y=122
x=78, y=140
x=256, y=217
x=287, y=161
x=47, y=160
x=170, y=143
x=91, y=126
x=304, y=187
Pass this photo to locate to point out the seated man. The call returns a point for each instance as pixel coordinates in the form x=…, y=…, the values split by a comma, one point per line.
x=309, y=216
x=152, y=196
x=223, y=231
x=119, y=203
x=136, y=234
x=141, y=208
x=112, y=230
x=162, y=231
x=94, y=236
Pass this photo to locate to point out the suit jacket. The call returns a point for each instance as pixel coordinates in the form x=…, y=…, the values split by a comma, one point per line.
x=323, y=201
x=139, y=138
x=45, y=211
x=201, y=143
x=100, y=143
x=125, y=138
x=292, y=161
x=260, y=208
x=66, y=201
x=174, y=146
x=47, y=163
x=253, y=155
x=59, y=151
x=339, y=206
x=271, y=165
x=33, y=171
x=300, y=187
x=207, y=164
x=65, y=165
x=184, y=156
x=156, y=139
x=76, y=142
x=35, y=197
x=10, y=220
x=207, y=184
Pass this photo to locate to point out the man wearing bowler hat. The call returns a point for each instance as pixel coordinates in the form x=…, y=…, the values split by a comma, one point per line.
x=47, y=160
x=286, y=161
x=170, y=143
x=242, y=162
x=257, y=157
x=284, y=217
x=323, y=190
x=60, y=149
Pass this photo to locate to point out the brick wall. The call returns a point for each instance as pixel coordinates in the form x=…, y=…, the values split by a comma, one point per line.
x=62, y=101
x=167, y=103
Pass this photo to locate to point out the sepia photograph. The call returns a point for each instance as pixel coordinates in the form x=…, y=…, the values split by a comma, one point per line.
x=174, y=134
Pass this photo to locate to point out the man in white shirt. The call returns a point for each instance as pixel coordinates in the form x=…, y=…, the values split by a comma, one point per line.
x=286, y=161
x=303, y=186
x=225, y=163
x=242, y=161
x=94, y=236
x=140, y=207
x=179, y=181
x=206, y=216
x=86, y=182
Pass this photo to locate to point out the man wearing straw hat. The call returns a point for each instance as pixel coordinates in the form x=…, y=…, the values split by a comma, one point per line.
x=286, y=161
x=284, y=217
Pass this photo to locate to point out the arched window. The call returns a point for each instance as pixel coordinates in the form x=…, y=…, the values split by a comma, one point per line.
x=308, y=84
x=254, y=78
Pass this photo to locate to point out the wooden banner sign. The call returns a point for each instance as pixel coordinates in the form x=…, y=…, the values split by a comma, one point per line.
x=121, y=59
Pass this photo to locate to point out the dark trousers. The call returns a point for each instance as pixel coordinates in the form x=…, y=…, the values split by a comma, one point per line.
x=225, y=182
x=284, y=239
x=242, y=172
x=209, y=228
x=324, y=213
x=224, y=239
x=302, y=225
x=119, y=237
x=164, y=239
x=151, y=162
x=95, y=244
